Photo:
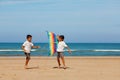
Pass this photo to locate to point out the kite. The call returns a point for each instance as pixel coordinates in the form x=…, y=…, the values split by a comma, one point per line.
x=52, y=43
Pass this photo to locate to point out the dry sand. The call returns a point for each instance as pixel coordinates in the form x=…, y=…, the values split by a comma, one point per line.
x=44, y=68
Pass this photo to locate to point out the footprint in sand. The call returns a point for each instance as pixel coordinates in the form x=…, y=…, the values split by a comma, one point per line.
x=2, y=74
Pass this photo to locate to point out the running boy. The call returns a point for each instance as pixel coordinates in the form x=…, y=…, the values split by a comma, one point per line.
x=27, y=46
x=60, y=51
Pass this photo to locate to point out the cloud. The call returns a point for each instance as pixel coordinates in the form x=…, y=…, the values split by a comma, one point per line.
x=11, y=2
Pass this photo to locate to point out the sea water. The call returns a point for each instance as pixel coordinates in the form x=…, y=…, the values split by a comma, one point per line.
x=78, y=49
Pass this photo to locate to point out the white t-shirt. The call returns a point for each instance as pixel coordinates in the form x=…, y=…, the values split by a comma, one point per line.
x=61, y=46
x=28, y=46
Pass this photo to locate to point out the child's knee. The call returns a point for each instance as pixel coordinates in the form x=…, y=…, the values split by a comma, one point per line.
x=27, y=58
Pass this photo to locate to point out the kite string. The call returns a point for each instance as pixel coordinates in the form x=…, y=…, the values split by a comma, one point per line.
x=44, y=46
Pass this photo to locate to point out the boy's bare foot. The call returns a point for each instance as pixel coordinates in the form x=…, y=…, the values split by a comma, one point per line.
x=59, y=66
x=25, y=67
x=64, y=67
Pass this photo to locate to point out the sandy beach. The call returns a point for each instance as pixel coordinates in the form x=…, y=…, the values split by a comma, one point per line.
x=44, y=68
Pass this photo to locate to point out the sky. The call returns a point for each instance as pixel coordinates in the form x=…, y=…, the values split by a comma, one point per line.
x=80, y=21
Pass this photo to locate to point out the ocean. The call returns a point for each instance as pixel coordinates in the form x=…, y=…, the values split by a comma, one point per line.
x=78, y=49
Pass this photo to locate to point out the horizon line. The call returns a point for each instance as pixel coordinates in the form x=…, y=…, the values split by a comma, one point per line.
x=70, y=42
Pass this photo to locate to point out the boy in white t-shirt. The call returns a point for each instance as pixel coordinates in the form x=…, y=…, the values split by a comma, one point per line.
x=27, y=46
x=60, y=50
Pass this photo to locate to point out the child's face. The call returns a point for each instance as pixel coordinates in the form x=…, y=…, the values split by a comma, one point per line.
x=59, y=39
x=29, y=39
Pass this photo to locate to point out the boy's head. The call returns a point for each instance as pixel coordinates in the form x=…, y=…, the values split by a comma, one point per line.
x=61, y=38
x=29, y=38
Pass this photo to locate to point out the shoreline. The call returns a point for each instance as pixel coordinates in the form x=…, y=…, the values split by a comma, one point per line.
x=54, y=58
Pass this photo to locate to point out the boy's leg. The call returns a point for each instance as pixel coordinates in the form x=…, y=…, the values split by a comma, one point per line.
x=63, y=60
x=27, y=59
x=58, y=59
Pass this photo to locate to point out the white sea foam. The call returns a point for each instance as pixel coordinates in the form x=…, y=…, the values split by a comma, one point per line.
x=95, y=50
x=73, y=50
x=13, y=50
x=106, y=50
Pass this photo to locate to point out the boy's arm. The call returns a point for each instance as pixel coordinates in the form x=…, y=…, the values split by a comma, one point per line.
x=23, y=47
x=36, y=47
x=69, y=50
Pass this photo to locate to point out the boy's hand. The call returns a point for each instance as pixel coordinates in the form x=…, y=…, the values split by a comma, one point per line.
x=69, y=51
x=35, y=46
x=25, y=51
x=38, y=46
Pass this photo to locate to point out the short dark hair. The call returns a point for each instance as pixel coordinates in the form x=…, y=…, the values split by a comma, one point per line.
x=62, y=37
x=29, y=36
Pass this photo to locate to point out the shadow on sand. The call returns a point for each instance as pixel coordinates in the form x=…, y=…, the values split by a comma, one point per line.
x=61, y=68
x=33, y=67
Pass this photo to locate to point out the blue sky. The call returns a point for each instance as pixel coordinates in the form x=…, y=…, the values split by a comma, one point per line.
x=79, y=20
